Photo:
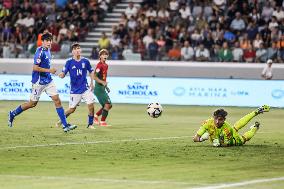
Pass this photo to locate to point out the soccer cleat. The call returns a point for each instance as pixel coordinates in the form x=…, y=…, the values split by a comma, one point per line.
x=69, y=127
x=91, y=127
x=263, y=108
x=96, y=120
x=11, y=118
x=256, y=125
x=103, y=124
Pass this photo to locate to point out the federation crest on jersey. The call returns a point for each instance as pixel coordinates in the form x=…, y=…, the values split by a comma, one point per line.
x=98, y=70
x=83, y=65
x=38, y=60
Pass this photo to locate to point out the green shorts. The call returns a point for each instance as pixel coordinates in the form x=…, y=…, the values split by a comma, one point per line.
x=102, y=96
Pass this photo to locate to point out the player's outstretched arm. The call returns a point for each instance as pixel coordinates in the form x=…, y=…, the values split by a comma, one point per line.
x=39, y=69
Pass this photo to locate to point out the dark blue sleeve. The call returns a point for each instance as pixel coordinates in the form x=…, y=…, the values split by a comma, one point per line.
x=65, y=69
x=38, y=56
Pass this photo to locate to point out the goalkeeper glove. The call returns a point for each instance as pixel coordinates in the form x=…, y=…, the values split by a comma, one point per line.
x=204, y=137
x=216, y=142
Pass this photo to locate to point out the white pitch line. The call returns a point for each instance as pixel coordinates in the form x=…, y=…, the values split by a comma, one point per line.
x=244, y=183
x=128, y=181
x=92, y=142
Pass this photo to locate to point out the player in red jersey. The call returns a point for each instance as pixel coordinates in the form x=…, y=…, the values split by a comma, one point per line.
x=101, y=90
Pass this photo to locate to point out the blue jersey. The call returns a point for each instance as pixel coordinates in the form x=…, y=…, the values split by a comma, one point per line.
x=42, y=59
x=78, y=74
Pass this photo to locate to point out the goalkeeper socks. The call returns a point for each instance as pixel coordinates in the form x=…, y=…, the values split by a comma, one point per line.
x=249, y=134
x=17, y=111
x=60, y=112
x=243, y=121
x=99, y=112
x=91, y=120
x=104, y=115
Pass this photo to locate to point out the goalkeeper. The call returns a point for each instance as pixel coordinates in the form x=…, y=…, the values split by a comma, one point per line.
x=221, y=133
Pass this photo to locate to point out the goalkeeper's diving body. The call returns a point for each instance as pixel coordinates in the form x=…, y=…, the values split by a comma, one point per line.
x=222, y=134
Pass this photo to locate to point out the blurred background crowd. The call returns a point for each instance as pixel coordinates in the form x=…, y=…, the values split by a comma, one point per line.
x=168, y=30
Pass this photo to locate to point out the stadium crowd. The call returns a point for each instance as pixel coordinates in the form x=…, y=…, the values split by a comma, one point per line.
x=188, y=30
x=23, y=22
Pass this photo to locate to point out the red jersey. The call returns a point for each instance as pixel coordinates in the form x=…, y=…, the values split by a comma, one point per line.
x=101, y=71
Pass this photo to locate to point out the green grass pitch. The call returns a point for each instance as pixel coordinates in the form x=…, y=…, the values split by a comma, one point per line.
x=137, y=152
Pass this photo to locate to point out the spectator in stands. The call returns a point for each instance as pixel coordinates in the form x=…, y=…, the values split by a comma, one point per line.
x=174, y=54
x=237, y=53
x=278, y=13
x=132, y=23
x=252, y=31
x=121, y=31
x=202, y=54
x=267, y=11
x=153, y=49
x=229, y=36
x=115, y=53
x=173, y=5
x=139, y=47
x=267, y=70
x=219, y=5
x=257, y=41
x=249, y=54
x=238, y=23
x=147, y=39
x=261, y=54
x=272, y=52
x=280, y=46
x=187, y=52
x=151, y=12
x=163, y=15
x=104, y=42
x=273, y=23
x=94, y=54
x=6, y=33
x=185, y=12
x=244, y=42
x=225, y=54
x=131, y=10
x=20, y=20
x=255, y=15
x=29, y=20
x=114, y=40
x=63, y=33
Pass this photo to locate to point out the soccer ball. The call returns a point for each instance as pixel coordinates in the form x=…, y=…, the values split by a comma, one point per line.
x=154, y=110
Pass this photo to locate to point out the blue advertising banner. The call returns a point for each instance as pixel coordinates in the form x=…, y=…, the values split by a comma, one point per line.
x=178, y=91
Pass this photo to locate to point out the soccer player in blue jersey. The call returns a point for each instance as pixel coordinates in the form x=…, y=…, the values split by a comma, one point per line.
x=42, y=82
x=78, y=68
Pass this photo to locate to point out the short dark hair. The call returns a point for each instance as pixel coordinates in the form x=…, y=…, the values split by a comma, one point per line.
x=46, y=36
x=220, y=113
x=75, y=45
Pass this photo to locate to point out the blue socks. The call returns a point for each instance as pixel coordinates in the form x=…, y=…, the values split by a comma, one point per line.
x=60, y=112
x=17, y=111
x=91, y=120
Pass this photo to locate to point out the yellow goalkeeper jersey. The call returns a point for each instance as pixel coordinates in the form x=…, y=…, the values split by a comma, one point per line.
x=226, y=134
